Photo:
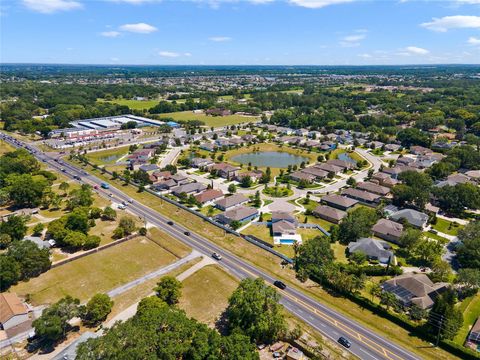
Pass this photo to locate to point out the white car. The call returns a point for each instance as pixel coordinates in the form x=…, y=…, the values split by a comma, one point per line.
x=122, y=207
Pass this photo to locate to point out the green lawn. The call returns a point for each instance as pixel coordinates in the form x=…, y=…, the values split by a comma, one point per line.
x=339, y=252
x=205, y=293
x=99, y=272
x=447, y=227
x=109, y=156
x=5, y=147
x=134, y=104
x=215, y=121
x=470, y=308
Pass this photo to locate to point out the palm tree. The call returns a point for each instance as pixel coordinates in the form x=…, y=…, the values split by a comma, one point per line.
x=375, y=290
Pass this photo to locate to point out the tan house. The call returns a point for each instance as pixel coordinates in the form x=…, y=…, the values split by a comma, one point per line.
x=388, y=230
x=329, y=213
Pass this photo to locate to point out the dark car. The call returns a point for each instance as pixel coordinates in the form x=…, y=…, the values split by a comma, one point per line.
x=280, y=284
x=170, y=222
x=217, y=256
x=344, y=342
x=187, y=233
x=76, y=177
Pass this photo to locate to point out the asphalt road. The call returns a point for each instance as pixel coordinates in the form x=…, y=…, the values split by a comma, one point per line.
x=366, y=344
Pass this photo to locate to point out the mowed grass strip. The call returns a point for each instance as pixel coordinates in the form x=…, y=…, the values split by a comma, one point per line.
x=205, y=293
x=215, y=121
x=99, y=272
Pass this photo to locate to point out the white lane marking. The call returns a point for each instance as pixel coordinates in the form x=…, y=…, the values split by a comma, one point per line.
x=370, y=355
x=336, y=333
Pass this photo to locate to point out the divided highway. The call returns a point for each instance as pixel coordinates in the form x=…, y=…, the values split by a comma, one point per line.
x=366, y=344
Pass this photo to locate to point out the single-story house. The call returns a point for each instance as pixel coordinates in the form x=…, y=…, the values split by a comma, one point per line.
x=200, y=162
x=163, y=185
x=255, y=175
x=342, y=164
x=392, y=147
x=339, y=202
x=190, y=188
x=224, y=170
x=207, y=146
x=388, y=230
x=420, y=150
x=362, y=196
x=230, y=202
x=284, y=228
x=330, y=168
x=373, y=188
x=208, y=196
x=413, y=217
x=240, y=213
x=12, y=310
x=301, y=175
x=149, y=168
x=414, y=289
x=329, y=213
x=385, y=179
x=474, y=336
x=374, y=249
x=180, y=179
x=41, y=244
x=315, y=171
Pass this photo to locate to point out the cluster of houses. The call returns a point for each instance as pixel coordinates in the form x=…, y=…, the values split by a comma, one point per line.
x=321, y=171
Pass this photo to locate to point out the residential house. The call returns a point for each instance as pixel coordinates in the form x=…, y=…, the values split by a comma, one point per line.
x=339, y=202
x=474, y=335
x=201, y=163
x=393, y=147
x=420, y=150
x=41, y=244
x=190, y=188
x=405, y=161
x=141, y=155
x=230, y=202
x=255, y=175
x=301, y=175
x=388, y=230
x=365, y=197
x=315, y=171
x=373, y=188
x=284, y=228
x=208, y=196
x=12, y=310
x=474, y=175
x=301, y=132
x=207, y=146
x=385, y=180
x=225, y=170
x=329, y=213
x=413, y=217
x=295, y=354
x=180, y=179
x=454, y=179
x=345, y=165
x=218, y=112
x=330, y=168
x=373, y=249
x=414, y=289
x=149, y=168
x=374, y=144
x=163, y=185
x=240, y=213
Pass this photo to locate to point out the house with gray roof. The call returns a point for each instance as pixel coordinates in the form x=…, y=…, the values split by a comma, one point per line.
x=413, y=217
x=230, y=202
x=240, y=213
x=329, y=213
x=339, y=202
x=388, y=230
x=374, y=249
x=365, y=197
x=414, y=289
x=190, y=188
x=373, y=188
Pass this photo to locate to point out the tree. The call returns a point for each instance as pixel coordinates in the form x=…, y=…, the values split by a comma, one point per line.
x=92, y=241
x=412, y=136
x=235, y=224
x=468, y=252
x=253, y=308
x=32, y=260
x=78, y=220
x=469, y=278
x=428, y=251
x=351, y=181
x=25, y=190
x=10, y=272
x=109, y=214
x=74, y=240
x=96, y=310
x=127, y=224
x=64, y=186
x=14, y=227
x=410, y=238
x=375, y=290
x=5, y=240
x=358, y=257
x=169, y=290
x=388, y=299
x=455, y=199
x=444, y=316
x=53, y=325
x=357, y=224
x=246, y=182
x=80, y=197
x=38, y=229
x=232, y=188
x=313, y=254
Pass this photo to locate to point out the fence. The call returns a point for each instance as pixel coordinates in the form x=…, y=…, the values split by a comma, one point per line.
x=206, y=218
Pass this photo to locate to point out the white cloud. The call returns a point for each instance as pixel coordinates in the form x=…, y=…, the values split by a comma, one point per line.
x=451, y=22
x=414, y=50
x=51, y=6
x=352, y=40
x=317, y=4
x=140, y=28
x=473, y=40
x=187, y=54
x=135, y=2
x=169, y=54
x=365, y=56
x=110, y=34
x=220, y=38
x=468, y=2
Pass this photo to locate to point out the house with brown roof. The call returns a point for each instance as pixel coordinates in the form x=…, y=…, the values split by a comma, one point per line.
x=342, y=164
x=230, y=202
x=339, y=202
x=373, y=188
x=12, y=310
x=330, y=168
x=329, y=213
x=300, y=175
x=225, y=170
x=208, y=196
x=315, y=171
x=365, y=197
x=385, y=180
x=414, y=289
x=388, y=230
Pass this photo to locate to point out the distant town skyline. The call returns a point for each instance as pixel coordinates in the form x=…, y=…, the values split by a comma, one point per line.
x=240, y=32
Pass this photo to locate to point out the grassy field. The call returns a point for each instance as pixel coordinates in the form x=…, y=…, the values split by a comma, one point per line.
x=99, y=272
x=447, y=227
x=109, y=156
x=470, y=308
x=270, y=264
x=215, y=121
x=205, y=293
x=134, y=104
x=5, y=147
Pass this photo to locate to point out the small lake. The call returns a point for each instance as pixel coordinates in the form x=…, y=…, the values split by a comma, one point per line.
x=111, y=158
x=272, y=159
x=346, y=157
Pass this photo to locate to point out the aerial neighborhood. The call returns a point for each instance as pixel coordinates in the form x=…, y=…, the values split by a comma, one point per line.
x=177, y=201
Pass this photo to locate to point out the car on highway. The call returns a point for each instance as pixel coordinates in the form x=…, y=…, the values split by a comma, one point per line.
x=95, y=187
x=187, y=233
x=121, y=206
x=111, y=195
x=280, y=284
x=170, y=223
x=217, y=256
x=76, y=177
x=62, y=170
x=130, y=201
x=344, y=341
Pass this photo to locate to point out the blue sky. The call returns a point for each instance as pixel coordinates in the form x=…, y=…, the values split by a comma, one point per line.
x=265, y=32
